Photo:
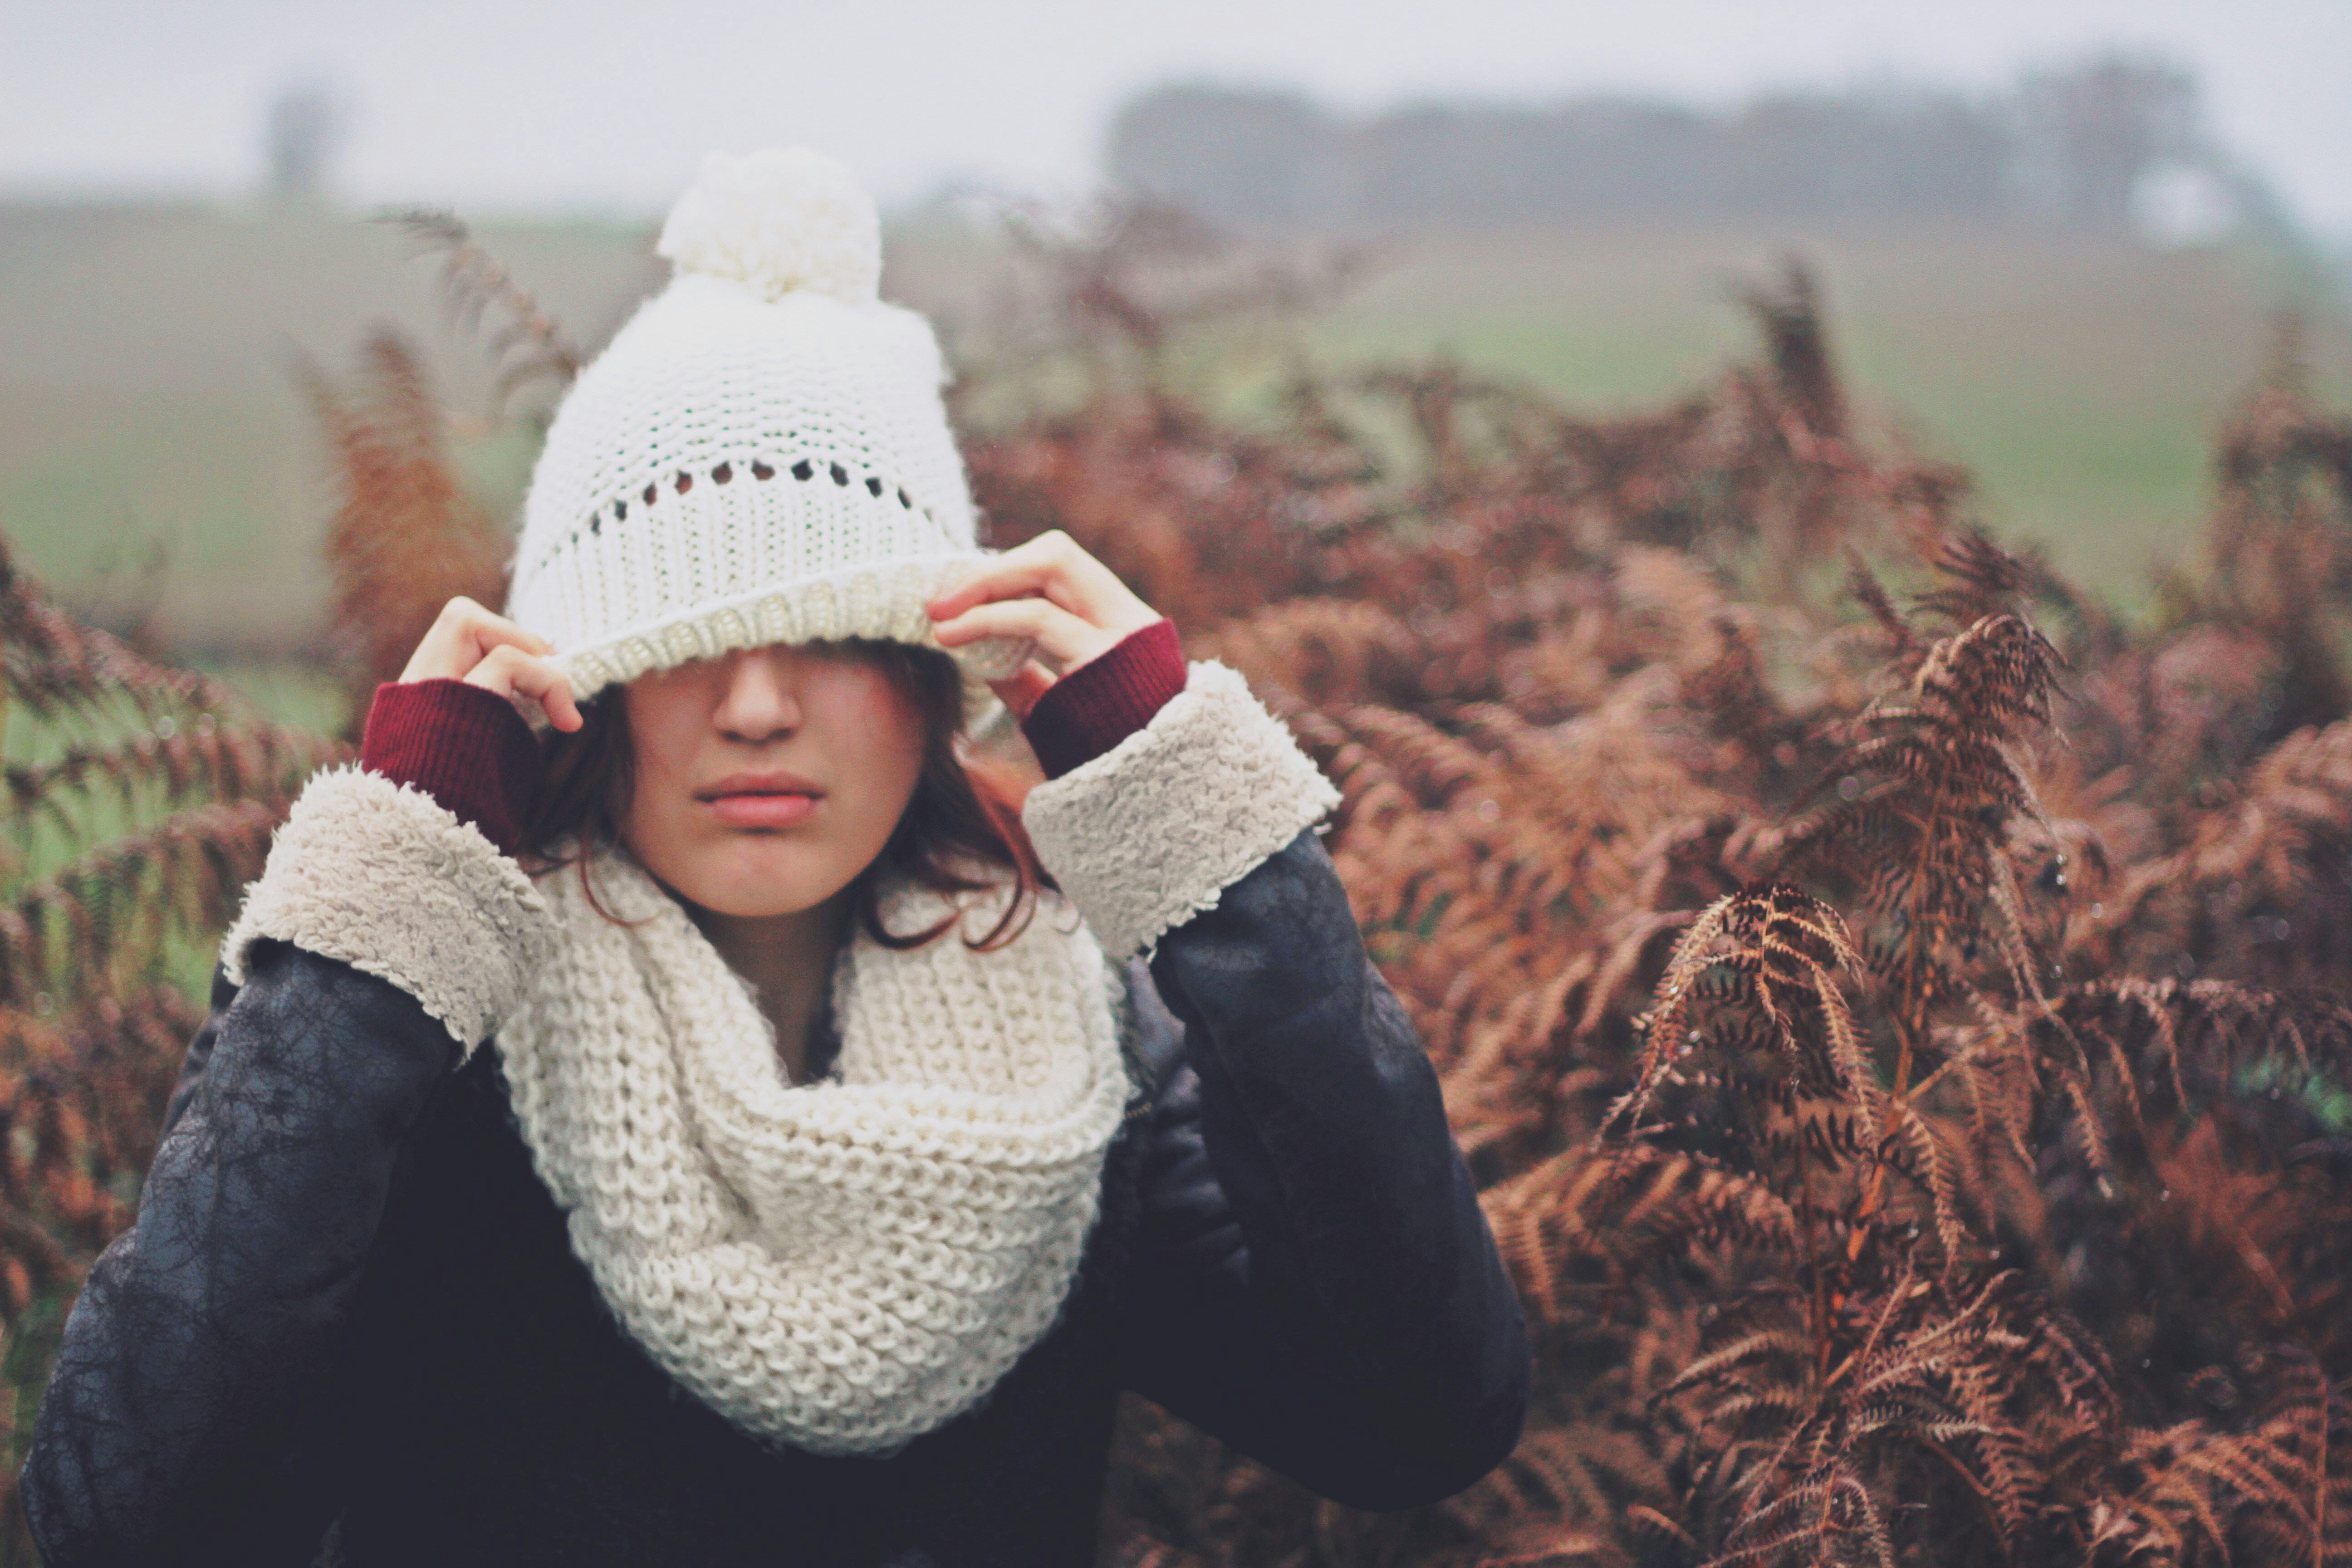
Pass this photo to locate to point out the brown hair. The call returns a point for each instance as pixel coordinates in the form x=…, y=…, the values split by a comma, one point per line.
x=962, y=821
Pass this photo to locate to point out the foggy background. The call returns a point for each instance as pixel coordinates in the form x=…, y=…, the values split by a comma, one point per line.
x=2054, y=238
x=595, y=104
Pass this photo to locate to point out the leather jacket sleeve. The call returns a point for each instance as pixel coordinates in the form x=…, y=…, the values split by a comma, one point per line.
x=190, y=1417
x=1315, y=1282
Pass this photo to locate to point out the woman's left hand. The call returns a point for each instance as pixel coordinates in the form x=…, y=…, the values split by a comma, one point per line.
x=1051, y=592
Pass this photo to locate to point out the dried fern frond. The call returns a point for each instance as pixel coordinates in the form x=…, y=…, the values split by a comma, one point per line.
x=1919, y=1389
x=530, y=343
x=2276, y=1490
x=408, y=537
x=2253, y=892
x=1790, y=948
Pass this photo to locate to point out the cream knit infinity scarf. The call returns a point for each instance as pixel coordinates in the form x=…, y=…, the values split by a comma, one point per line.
x=844, y=1265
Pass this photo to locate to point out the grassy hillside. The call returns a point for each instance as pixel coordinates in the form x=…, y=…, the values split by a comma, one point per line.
x=2080, y=382
x=149, y=409
x=156, y=452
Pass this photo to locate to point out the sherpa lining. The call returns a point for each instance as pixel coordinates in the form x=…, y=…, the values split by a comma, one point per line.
x=1154, y=830
x=381, y=877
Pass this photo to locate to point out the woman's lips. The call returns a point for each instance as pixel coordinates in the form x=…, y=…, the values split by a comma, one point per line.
x=762, y=810
x=761, y=800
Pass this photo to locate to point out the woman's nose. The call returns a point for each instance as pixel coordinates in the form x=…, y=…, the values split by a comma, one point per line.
x=761, y=700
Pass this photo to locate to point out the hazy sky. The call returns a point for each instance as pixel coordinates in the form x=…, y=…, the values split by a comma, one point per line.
x=498, y=104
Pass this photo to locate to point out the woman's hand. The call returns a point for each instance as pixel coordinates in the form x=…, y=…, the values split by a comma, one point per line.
x=469, y=643
x=1050, y=591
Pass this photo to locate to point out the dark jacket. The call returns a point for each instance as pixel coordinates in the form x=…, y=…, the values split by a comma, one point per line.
x=348, y=1302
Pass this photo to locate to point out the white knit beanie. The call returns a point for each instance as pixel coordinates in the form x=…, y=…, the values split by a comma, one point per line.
x=761, y=456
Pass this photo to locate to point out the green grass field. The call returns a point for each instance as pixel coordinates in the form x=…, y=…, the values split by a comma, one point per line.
x=155, y=453
x=149, y=409
x=2080, y=382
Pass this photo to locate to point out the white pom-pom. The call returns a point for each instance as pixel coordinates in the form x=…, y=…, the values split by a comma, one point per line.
x=776, y=220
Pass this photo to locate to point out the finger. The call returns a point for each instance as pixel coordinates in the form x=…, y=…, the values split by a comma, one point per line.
x=1020, y=690
x=1065, y=640
x=1052, y=566
x=1019, y=571
x=499, y=669
x=510, y=672
x=446, y=650
x=460, y=635
x=540, y=678
x=490, y=631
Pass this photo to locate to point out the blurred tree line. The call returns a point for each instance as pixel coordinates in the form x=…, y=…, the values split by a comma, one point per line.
x=2076, y=146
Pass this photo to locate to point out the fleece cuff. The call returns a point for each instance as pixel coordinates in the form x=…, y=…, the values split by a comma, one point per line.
x=381, y=877
x=1150, y=833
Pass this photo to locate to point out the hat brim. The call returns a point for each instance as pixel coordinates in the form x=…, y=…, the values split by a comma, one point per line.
x=883, y=601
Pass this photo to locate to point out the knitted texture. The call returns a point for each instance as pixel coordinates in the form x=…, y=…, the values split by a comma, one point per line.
x=1148, y=834
x=761, y=456
x=844, y=1265
x=381, y=877
x=1106, y=700
x=464, y=745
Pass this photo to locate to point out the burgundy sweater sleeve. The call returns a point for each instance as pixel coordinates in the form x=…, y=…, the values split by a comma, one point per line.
x=1106, y=700
x=467, y=748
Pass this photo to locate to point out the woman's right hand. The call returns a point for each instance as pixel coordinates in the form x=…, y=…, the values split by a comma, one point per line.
x=469, y=643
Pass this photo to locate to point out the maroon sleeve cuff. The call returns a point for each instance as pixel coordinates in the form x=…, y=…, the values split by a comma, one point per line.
x=466, y=747
x=1106, y=700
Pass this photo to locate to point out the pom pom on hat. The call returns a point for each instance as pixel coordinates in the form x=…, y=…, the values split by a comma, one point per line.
x=779, y=220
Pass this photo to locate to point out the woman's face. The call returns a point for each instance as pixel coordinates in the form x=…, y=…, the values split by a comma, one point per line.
x=767, y=780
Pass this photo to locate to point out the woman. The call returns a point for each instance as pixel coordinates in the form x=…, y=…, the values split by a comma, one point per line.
x=835, y=1159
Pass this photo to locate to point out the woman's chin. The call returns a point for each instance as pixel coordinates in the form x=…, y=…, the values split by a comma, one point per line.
x=759, y=878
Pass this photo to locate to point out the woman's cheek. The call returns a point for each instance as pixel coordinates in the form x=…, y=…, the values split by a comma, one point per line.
x=877, y=736
x=660, y=829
